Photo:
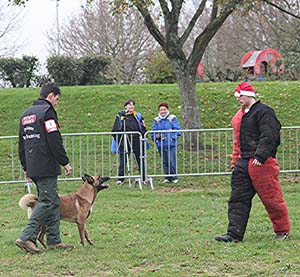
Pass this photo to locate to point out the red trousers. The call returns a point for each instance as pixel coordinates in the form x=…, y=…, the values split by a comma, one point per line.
x=266, y=183
x=246, y=181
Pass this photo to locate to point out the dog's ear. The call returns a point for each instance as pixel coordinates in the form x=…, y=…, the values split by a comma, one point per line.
x=88, y=178
x=103, y=180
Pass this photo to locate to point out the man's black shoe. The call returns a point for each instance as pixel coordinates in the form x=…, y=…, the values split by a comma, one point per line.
x=226, y=238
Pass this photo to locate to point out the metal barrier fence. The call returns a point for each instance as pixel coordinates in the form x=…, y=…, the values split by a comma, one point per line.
x=199, y=152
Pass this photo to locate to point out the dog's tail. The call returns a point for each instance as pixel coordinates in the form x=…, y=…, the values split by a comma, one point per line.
x=28, y=202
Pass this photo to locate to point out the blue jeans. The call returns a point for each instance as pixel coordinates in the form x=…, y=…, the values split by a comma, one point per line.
x=169, y=159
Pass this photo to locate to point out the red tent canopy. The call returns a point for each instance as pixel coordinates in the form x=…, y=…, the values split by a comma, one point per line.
x=254, y=60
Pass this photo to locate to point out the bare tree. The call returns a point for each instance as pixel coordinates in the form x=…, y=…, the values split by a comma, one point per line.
x=122, y=37
x=9, y=24
x=222, y=53
x=257, y=29
x=172, y=38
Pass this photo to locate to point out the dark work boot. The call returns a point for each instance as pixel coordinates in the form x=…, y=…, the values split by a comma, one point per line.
x=28, y=246
x=226, y=238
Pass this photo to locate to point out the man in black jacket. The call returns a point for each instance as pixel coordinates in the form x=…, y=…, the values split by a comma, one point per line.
x=41, y=153
x=256, y=170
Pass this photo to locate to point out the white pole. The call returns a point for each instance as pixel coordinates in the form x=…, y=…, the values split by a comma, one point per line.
x=57, y=28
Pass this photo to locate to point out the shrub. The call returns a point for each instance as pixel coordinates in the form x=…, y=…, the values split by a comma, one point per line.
x=69, y=71
x=92, y=70
x=158, y=69
x=18, y=72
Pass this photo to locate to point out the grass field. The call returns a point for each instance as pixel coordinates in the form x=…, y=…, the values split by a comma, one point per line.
x=93, y=108
x=165, y=232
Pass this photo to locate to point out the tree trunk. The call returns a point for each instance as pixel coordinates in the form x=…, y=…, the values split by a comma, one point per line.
x=189, y=104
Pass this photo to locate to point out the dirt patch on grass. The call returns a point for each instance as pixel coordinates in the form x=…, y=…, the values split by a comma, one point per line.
x=177, y=189
x=293, y=178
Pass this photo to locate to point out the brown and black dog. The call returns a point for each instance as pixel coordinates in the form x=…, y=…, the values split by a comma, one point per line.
x=74, y=207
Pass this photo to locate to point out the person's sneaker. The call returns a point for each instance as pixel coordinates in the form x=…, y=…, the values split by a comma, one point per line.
x=175, y=181
x=281, y=236
x=166, y=181
x=119, y=182
x=226, y=238
x=28, y=246
x=62, y=246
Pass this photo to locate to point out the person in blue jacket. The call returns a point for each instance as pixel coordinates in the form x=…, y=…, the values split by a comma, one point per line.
x=167, y=142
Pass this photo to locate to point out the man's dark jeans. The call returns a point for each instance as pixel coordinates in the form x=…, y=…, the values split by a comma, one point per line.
x=46, y=211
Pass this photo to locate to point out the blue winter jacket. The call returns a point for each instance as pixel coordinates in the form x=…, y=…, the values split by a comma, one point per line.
x=167, y=139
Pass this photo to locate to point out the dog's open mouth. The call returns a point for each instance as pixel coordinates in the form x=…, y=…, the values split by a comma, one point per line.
x=100, y=185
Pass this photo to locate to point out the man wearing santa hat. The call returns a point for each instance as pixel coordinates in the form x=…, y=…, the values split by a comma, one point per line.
x=255, y=169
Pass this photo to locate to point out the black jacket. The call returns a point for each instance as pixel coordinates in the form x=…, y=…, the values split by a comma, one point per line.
x=259, y=133
x=41, y=150
x=129, y=123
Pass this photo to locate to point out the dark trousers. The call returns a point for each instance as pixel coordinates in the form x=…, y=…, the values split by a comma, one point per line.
x=240, y=201
x=133, y=145
x=248, y=180
x=46, y=211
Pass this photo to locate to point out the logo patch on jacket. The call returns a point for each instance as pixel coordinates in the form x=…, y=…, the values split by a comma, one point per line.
x=29, y=119
x=50, y=126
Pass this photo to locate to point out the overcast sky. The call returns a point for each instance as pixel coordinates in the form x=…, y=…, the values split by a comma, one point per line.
x=39, y=17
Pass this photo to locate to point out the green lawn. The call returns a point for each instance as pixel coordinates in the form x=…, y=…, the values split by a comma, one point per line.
x=93, y=108
x=165, y=232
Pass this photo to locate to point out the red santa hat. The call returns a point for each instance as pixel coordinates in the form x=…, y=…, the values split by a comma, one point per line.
x=244, y=88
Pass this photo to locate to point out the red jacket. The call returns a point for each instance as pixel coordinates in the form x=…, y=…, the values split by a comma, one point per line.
x=236, y=125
